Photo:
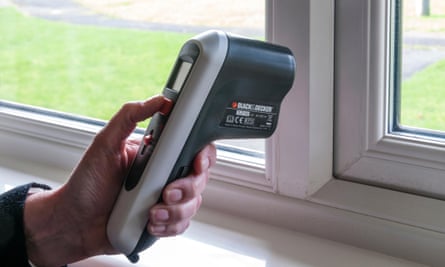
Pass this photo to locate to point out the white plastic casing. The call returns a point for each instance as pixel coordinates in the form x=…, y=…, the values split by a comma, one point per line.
x=131, y=211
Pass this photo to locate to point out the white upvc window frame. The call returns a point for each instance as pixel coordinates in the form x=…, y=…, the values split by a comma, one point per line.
x=296, y=190
x=373, y=153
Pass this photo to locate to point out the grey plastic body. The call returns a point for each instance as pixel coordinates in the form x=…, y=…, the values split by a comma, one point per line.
x=222, y=86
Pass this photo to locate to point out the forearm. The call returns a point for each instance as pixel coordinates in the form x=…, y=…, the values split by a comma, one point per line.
x=52, y=239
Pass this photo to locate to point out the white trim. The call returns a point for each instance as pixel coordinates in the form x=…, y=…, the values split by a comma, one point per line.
x=300, y=156
x=365, y=149
x=377, y=202
x=397, y=224
x=25, y=135
x=344, y=212
x=44, y=140
x=35, y=124
x=252, y=176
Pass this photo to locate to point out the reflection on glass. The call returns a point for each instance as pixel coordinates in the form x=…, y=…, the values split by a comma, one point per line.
x=422, y=87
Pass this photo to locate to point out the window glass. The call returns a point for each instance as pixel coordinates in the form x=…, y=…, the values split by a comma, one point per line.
x=89, y=57
x=420, y=41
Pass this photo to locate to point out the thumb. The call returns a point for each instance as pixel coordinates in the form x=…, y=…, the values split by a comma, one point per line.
x=125, y=120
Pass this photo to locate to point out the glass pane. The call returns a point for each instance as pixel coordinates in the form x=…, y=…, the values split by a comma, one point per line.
x=89, y=57
x=422, y=86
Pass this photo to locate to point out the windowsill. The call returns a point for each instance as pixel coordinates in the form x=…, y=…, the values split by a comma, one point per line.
x=398, y=224
x=218, y=239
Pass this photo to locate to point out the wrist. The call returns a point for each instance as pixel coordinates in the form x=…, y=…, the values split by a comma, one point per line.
x=51, y=237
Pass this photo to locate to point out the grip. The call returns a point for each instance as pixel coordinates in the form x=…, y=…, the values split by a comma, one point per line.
x=145, y=151
x=181, y=169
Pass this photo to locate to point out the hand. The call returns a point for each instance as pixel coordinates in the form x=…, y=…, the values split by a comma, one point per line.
x=69, y=224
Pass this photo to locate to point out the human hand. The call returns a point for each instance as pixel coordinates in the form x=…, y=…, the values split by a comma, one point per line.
x=69, y=224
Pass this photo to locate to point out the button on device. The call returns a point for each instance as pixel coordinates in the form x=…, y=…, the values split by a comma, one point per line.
x=148, y=139
x=166, y=107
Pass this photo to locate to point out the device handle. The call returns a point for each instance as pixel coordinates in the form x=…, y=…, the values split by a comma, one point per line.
x=182, y=168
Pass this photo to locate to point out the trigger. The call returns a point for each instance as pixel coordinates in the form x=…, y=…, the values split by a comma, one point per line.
x=184, y=171
x=148, y=140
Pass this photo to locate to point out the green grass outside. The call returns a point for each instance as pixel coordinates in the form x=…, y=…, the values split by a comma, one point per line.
x=423, y=98
x=92, y=71
x=80, y=69
x=423, y=95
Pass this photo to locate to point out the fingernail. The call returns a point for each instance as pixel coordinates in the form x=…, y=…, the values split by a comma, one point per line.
x=161, y=215
x=158, y=229
x=205, y=163
x=174, y=195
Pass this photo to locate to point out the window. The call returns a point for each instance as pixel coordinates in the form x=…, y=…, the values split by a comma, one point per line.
x=89, y=57
x=367, y=150
x=68, y=139
x=114, y=52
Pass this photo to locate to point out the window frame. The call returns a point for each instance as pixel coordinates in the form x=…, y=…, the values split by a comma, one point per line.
x=374, y=153
x=297, y=191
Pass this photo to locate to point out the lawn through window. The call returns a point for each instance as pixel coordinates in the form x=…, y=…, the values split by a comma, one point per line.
x=89, y=57
x=421, y=66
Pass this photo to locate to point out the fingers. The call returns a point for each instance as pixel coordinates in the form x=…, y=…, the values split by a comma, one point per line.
x=132, y=147
x=193, y=185
x=205, y=159
x=125, y=120
x=185, y=189
x=169, y=220
x=182, y=198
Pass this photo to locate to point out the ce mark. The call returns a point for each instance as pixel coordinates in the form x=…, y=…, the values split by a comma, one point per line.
x=239, y=120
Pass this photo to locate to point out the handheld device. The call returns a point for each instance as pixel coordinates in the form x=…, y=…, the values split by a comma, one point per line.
x=222, y=86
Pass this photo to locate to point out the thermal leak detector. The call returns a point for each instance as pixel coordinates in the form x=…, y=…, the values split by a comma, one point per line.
x=222, y=86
